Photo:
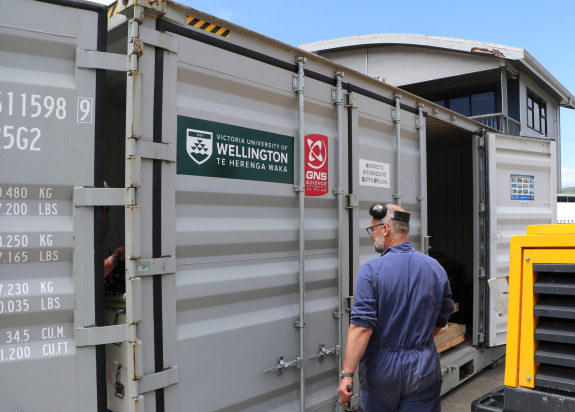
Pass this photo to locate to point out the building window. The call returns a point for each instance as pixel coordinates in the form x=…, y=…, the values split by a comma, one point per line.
x=482, y=103
x=536, y=113
x=475, y=104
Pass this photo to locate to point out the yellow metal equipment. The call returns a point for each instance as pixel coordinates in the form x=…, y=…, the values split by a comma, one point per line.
x=540, y=364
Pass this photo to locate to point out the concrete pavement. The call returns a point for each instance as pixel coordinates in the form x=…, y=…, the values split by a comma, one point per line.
x=460, y=398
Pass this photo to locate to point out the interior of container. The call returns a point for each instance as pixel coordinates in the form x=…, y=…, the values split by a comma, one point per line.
x=450, y=191
x=114, y=172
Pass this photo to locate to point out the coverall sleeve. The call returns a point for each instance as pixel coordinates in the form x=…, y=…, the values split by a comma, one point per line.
x=447, y=305
x=364, y=312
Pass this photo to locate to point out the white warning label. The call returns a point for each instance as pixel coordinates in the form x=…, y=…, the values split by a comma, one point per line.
x=372, y=173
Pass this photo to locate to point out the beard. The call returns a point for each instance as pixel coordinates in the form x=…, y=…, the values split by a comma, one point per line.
x=379, y=245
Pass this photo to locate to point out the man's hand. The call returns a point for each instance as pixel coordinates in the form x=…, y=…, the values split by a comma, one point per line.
x=111, y=261
x=344, y=394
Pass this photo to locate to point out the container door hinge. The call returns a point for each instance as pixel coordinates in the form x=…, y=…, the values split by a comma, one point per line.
x=480, y=337
x=348, y=303
x=481, y=207
x=323, y=352
x=351, y=201
x=481, y=273
x=351, y=101
x=426, y=244
x=282, y=364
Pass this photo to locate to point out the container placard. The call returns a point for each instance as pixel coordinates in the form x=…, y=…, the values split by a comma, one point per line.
x=522, y=187
x=316, y=165
x=207, y=148
x=372, y=173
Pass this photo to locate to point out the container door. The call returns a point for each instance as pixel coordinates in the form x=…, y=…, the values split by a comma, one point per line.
x=377, y=176
x=521, y=192
x=47, y=146
x=237, y=226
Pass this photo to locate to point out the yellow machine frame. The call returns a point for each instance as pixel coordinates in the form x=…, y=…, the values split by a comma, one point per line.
x=543, y=244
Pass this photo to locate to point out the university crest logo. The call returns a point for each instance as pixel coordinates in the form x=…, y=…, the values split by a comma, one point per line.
x=199, y=145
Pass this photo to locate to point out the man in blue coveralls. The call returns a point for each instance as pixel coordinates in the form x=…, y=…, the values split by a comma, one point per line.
x=402, y=299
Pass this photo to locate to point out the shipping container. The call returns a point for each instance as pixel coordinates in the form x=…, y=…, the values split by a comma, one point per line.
x=237, y=172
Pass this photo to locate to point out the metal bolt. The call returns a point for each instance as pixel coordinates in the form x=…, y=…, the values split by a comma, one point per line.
x=528, y=378
x=527, y=258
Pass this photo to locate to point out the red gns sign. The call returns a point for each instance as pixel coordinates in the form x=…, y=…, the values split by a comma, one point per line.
x=316, y=165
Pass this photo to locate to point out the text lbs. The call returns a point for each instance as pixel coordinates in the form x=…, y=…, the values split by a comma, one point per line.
x=47, y=209
x=50, y=303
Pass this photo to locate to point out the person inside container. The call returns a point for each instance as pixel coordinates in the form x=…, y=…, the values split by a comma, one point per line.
x=118, y=255
x=114, y=266
x=402, y=299
x=113, y=260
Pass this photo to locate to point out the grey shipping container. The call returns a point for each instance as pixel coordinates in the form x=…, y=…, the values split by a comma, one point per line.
x=240, y=172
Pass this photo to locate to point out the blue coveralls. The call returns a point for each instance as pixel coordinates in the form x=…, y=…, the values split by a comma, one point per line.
x=402, y=296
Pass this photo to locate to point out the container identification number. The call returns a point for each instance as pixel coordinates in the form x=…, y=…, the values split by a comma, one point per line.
x=34, y=105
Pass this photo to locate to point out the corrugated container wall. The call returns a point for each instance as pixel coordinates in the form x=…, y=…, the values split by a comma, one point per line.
x=237, y=173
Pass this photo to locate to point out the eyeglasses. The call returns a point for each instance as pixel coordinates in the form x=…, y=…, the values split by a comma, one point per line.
x=371, y=228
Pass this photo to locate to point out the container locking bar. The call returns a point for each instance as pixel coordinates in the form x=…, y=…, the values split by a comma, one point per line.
x=158, y=380
x=158, y=266
x=96, y=196
x=90, y=59
x=103, y=335
x=151, y=150
x=323, y=352
x=282, y=364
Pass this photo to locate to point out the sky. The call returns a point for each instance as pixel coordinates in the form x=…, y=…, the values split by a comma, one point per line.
x=544, y=30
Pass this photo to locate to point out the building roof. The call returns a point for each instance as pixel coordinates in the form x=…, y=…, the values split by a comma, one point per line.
x=515, y=54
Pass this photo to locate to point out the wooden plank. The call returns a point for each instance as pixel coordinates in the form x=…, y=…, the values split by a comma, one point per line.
x=453, y=334
x=451, y=343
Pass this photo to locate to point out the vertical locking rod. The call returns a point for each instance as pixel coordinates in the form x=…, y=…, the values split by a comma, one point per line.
x=422, y=196
x=340, y=199
x=396, y=117
x=299, y=89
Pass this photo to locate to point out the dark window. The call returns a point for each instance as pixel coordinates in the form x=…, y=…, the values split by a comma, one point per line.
x=440, y=102
x=536, y=113
x=482, y=103
x=460, y=105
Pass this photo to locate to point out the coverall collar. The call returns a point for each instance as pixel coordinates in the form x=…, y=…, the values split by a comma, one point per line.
x=404, y=247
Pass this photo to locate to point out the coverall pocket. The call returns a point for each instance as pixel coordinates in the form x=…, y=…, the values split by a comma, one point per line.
x=430, y=376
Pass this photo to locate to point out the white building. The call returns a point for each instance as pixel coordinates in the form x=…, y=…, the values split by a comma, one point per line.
x=502, y=87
